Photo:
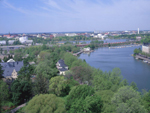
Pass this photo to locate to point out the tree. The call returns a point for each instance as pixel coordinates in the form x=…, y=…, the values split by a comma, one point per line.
x=82, y=74
x=134, y=86
x=100, y=81
x=4, y=93
x=57, y=84
x=21, y=91
x=61, y=86
x=127, y=100
x=46, y=103
x=1, y=72
x=146, y=101
x=1, y=50
x=25, y=72
x=106, y=96
x=5, y=52
x=137, y=51
x=18, y=56
x=69, y=59
x=44, y=68
x=40, y=85
x=43, y=56
x=76, y=98
x=93, y=104
x=116, y=76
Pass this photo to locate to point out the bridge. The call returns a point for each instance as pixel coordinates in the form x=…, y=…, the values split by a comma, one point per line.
x=142, y=58
x=76, y=54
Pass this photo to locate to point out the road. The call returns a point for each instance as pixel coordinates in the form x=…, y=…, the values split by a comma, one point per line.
x=14, y=110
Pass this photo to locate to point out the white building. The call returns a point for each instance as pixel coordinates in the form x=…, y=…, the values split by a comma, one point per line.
x=24, y=40
x=87, y=49
x=146, y=49
x=11, y=42
x=62, y=67
x=3, y=42
x=71, y=34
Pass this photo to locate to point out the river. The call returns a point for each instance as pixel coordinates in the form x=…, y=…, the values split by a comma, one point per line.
x=133, y=70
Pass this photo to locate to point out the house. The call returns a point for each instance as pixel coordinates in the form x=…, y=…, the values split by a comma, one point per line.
x=3, y=42
x=11, y=42
x=87, y=49
x=62, y=67
x=138, y=38
x=11, y=68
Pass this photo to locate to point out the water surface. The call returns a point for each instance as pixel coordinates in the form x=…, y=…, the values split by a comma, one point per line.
x=133, y=70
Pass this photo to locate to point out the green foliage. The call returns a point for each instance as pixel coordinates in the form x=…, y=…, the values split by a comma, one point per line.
x=146, y=40
x=4, y=93
x=69, y=59
x=93, y=104
x=137, y=51
x=40, y=85
x=47, y=103
x=1, y=72
x=61, y=86
x=18, y=56
x=82, y=74
x=20, y=90
x=146, y=101
x=100, y=81
x=76, y=98
x=57, y=84
x=44, y=68
x=25, y=72
x=106, y=96
x=43, y=56
x=127, y=100
x=116, y=76
x=134, y=86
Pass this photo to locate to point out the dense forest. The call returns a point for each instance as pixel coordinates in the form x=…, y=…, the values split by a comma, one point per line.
x=82, y=89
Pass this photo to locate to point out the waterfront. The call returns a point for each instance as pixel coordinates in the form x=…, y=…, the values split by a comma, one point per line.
x=133, y=70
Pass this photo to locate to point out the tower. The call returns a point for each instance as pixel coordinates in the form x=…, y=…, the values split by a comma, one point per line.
x=138, y=30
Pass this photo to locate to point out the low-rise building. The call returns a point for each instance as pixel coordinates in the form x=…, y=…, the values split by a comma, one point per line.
x=146, y=49
x=87, y=49
x=11, y=42
x=138, y=38
x=3, y=42
x=11, y=68
x=62, y=67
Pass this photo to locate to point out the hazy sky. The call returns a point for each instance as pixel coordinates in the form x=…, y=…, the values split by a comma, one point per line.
x=73, y=15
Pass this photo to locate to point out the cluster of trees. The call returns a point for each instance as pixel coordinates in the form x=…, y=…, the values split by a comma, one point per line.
x=146, y=40
x=81, y=89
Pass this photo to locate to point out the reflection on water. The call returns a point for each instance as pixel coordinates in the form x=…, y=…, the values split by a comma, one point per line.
x=133, y=70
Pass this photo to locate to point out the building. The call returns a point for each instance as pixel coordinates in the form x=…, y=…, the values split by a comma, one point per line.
x=24, y=40
x=11, y=68
x=71, y=34
x=87, y=49
x=146, y=49
x=138, y=38
x=3, y=42
x=62, y=67
x=11, y=42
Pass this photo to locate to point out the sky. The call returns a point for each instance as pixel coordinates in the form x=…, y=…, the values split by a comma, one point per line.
x=29, y=16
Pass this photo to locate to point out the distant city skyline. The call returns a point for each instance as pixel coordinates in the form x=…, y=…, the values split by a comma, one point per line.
x=33, y=16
